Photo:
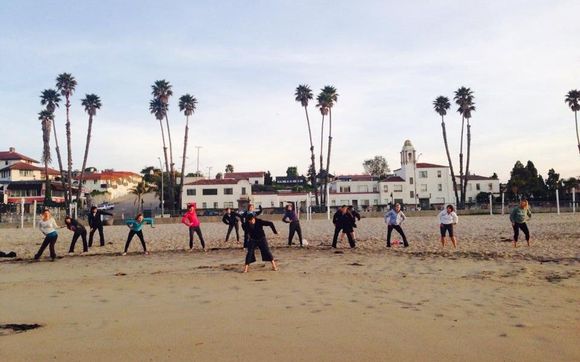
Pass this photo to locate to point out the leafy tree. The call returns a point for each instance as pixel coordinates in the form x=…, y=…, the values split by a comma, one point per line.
x=268, y=179
x=92, y=102
x=494, y=176
x=151, y=174
x=139, y=190
x=377, y=166
x=441, y=105
x=573, y=101
x=219, y=176
x=229, y=168
x=292, y=171
x=304, y=95
x=66, y=84
x=553, y=182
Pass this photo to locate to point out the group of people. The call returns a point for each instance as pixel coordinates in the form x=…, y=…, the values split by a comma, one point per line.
x=254, y=237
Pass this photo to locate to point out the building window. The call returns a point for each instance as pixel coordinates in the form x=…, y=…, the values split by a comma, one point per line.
x=25, y=173
x=190, y=192
x=209, y=192
x=423, y=174
x=375, y=202
x=243, y=190
x=398, y=188
x=204, y=205
x=439, y=187
x=365, y=202
x=386, y=188
x=375, y=188
x=412, y=194
x=363, y=188
x=477, y=187
x=490, y=187
x=228, y=204
x=439, y=174
x=423, y=187
x=229, y=191
x=215, y=205
x=344, y=189
x=410, y=180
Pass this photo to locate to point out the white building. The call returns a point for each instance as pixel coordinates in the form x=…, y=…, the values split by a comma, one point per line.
x=254, y=178
x=114, y=183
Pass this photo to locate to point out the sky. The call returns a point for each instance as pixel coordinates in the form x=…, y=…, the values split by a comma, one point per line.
x=242, y=60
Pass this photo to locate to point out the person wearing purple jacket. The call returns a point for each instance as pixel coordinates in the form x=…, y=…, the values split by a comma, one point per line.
x=291, y=218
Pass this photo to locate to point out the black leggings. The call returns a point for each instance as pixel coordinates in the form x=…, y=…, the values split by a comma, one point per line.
x=295, y=228
x=101, y=236
x=233, y=226
x=524, y=228
x=399, y=229
x=49, y=241
x=130, y=237
x=262, y=244
x=348, y=233
x=197, y=230
x=77, y=234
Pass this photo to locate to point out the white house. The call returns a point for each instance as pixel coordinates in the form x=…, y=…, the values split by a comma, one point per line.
x=254, y=178
x=114, y=183
x=217, y=193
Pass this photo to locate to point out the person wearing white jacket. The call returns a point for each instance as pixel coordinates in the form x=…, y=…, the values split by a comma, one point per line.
x=48, y=227
x=448, y=218
x=394, y=218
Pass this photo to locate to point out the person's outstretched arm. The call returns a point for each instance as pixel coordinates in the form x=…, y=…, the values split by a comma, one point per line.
x=271, y=225
x=259, y=212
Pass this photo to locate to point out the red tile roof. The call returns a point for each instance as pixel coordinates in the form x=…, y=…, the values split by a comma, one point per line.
x=393, y=179
x=11, y=156
x=28, y=166
x=476, y=178
x=108, y=175
x=227, y=181
x=357, y=177
x=243, y=175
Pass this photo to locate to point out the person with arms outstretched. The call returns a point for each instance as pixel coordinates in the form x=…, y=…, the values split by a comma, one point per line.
x=257, y=239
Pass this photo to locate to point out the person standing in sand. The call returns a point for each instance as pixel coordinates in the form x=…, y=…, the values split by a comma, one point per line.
x=96, y=223
x=244, y=217
x=192, y=222
x=48, y=227
x=291, y=218
x=447, y=219
x=79, y=231
x=519, y=217
x=231, y=219
x=394, y=219
x=337, y=220
x=136, y=228
x=257, y=239
x=356, y=216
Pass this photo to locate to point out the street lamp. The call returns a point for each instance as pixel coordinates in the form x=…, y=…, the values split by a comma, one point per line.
x=162, y=199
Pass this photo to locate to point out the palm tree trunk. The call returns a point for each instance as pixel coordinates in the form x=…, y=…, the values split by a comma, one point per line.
x=449, y=160
x=312, y=159
x=57, y=149
x=322, y=196
x=328, y=154
x=577, y=136
x=172, y=165
x=467, y=160
x=461, y=178
x=46, y=183
x=183, y=161
x=69, y=155
x=89, y=130
x=166, y=159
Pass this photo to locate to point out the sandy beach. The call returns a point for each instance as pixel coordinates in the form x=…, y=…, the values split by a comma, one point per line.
x=484, y=301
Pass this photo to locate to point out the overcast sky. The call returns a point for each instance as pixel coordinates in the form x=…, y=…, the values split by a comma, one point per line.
x=242, y=60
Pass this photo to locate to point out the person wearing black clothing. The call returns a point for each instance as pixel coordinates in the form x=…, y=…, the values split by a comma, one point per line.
x=356, y=216
x=336, y=220
x=79, y=231
x=231, y=219
x=348, y=223
x=96, y=223
x=257, y=238
x=291, y=218
x=244, y=218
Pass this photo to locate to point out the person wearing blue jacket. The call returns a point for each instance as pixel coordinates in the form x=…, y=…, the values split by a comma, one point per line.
x=136, y=228
x=290, y=217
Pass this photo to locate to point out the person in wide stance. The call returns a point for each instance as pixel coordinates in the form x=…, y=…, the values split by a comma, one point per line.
x=257, y=239
x=394, y=219
x=519, y=217
x=48, y=227
x=136, y=228
x=231, y=219
x=447, y=220
x=79, y=232
x=192, y=222
x=291, y=218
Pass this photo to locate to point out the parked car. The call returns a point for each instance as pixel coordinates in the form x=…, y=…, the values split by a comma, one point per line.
x=106, y=206
x=210, y=213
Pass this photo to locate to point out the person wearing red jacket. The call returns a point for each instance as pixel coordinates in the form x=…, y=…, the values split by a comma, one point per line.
x=192, y=222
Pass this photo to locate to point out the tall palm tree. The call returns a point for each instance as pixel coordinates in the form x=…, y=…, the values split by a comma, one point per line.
x=162, y=90
x=304, y=95
x=92, y=102
x=441, y=105
x=66, y=84
x=187, y=105
x=159, y=109
x=46, y=117
x=331, y=98
x=322, y=105
x=573, y=100
x=464, y=99
x=139, y=190
x=51, y=99
x=229, y=168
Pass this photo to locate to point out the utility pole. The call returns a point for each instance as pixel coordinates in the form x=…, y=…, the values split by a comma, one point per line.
x=162, y=200
x=197, y=169
x=209, y=172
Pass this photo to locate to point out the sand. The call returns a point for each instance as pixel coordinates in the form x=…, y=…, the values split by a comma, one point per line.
x=484, y=301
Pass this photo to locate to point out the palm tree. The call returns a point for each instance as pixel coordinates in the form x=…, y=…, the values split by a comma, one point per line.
x=304, y=95
x=92, y=102
x=441, y=105
x=139, y=190
x=159, y=109
x=464, y=99
x=161, y=90
x=229, y=168
x=51, y=99
x=187, y=105
x=573, y=100
x=66, y=84
x=46, y=117
x=322, y=105
x=331, y=98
